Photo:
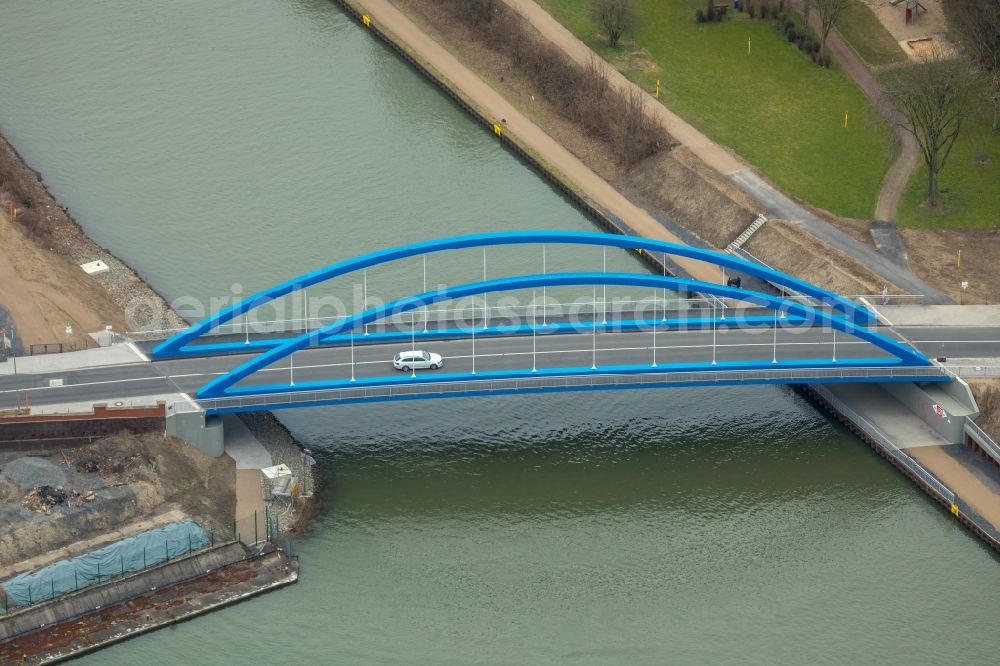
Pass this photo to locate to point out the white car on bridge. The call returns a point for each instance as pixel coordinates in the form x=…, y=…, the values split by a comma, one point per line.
x=417, y=360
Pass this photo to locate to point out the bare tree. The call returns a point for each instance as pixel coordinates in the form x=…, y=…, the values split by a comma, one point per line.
x=482, y=11
x=616, y=17
x=806, y=11
x=829, y=14
x=975, y=25
x=933, y=99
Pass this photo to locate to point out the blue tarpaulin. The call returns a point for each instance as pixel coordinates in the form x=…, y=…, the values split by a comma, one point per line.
x=112, y=561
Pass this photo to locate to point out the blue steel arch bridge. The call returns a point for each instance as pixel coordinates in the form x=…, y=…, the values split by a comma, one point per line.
x=784, y=333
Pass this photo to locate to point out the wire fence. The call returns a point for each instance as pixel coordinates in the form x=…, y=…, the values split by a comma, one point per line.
x=76, y=576
x=251, y=530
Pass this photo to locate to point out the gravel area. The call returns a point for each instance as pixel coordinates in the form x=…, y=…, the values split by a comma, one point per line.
x=291, y=513
x=143, y=306
x=29, y=472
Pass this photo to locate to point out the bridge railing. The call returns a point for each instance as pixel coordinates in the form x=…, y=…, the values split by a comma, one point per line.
x=963, y=370
x=883, y=299
x=983, y=439
x=583, y=308
x=467, y=314
x=574, y=382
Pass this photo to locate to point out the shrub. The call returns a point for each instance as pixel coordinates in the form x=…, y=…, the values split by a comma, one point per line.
x=699, y=16
x=789, y=23
x=580, y=93
x=791, y=35
x=823, y=61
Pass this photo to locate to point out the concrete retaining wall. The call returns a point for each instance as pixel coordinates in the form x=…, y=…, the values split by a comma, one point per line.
x=102, y=421
x=203, y=432
x=954, y=398
x=101, y=596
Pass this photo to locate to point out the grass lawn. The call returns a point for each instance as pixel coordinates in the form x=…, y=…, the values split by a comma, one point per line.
x=773, y=106
x=970, y=182
x=862, y=30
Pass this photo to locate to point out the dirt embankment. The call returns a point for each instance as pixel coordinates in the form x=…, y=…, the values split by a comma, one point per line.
x=987, y=392
x=672, y=184
x=103, y=487
x=933, y=256
x=41, y=282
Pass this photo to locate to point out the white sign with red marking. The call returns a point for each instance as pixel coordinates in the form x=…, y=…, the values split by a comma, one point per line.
x=939, y=410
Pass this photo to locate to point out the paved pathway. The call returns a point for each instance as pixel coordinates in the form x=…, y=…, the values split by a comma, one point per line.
x=909, y=152
x=725, y=162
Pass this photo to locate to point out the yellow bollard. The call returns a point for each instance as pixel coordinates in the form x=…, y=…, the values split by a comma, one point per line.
x=497, y=129
x=958, y=260
x=845, y=118
x=366, y=20
x=657, y=89
x=954, y=510
x=748, y=46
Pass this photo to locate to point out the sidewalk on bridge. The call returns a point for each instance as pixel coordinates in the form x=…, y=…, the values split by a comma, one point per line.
x=974, y=368
x=121, y=354
x=941, y=315
x=129, y=401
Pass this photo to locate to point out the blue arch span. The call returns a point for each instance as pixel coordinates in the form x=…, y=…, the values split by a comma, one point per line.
x=175, y=344
x=219, y=386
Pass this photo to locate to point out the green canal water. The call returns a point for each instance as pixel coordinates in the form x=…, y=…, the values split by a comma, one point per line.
x=222, y=142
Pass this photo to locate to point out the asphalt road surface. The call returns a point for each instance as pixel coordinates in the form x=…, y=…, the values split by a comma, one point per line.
x=121, y=382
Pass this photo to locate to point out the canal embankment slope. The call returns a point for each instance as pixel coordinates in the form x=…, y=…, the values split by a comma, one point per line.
x=83, y=491
x=682, y=189
x=44, y=287
x=560, y=164
x=418, y=43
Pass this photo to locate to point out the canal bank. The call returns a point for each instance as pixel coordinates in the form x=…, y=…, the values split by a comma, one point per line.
x=50, y=298
x=584, y=528
x=181, y=590
x=529, y=142
x=675, y=189
x=50, y=302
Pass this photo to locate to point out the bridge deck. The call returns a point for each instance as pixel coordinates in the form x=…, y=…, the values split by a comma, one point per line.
x=127, y=381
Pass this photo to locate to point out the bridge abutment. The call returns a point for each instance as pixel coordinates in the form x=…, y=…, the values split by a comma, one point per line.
x=202, y=431
x=944, y=406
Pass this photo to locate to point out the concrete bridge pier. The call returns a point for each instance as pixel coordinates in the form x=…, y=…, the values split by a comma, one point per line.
x=200, y=430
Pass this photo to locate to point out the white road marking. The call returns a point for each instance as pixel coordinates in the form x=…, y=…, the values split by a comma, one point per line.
x=587, y=350
x=138, y=352
x=107, y=381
